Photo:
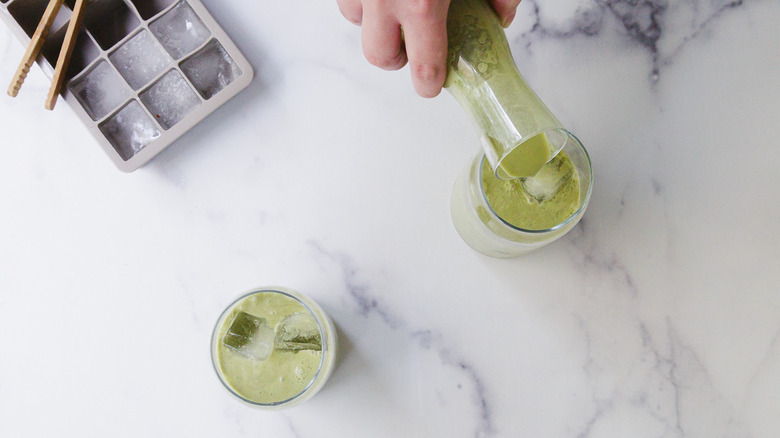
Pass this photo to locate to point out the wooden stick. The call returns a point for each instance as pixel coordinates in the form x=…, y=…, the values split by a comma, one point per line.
x=34, y=48
x=67, y=49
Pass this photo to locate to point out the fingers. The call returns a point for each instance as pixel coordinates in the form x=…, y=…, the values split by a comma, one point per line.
x=424, y=42
x=506, y=10
x=382, y=40
x=352, y=10
x=426, y=46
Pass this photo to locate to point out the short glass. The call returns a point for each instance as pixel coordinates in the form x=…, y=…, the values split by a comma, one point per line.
x=292, y=302
x=485, y=231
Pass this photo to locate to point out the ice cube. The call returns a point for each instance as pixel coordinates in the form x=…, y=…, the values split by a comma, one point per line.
x=170, y=99
x=130, y=130
x=140, y=59
x=211, y=69
x=250, y=336
x=298, y=331
x=550, y=178
x=100, y=91
x=180, y=30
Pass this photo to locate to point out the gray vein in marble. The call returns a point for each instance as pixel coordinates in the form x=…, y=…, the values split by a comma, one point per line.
x=643, y=21
x=601, y=406
x=291, y=427
x=698, y=29
x=774, y=347
x=428, y=340
x=666, y=381
x=592, y=257
x=368, y=304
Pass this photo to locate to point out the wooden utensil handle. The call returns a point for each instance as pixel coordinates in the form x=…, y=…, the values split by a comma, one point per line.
x=34, y=48
x=19, y=77
x=71, y=35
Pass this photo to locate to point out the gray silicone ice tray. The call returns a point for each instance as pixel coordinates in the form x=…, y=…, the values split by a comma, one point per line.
x=143, y=72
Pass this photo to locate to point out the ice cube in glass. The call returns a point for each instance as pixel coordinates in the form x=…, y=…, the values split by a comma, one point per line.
x=549, y=180
x=250, y=336
x=298, y=331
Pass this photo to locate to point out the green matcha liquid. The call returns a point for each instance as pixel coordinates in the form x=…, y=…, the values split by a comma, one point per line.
x=502, y=218
x=268, y=348
x=537, y=203
x=519, y=134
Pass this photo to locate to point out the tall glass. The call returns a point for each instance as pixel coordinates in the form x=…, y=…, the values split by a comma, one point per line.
x=487, y=232
x=519, y=134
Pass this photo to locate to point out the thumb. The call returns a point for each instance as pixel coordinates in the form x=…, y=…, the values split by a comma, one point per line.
x=506, y=10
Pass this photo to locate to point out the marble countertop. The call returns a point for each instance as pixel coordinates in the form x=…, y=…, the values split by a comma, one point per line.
x=657, y=316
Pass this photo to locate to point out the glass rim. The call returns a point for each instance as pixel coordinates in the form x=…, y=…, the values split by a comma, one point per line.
x=508, y=151
x=220, y=320
x=582, y=205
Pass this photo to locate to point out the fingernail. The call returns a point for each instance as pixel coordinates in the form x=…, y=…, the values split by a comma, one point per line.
x=508, y=19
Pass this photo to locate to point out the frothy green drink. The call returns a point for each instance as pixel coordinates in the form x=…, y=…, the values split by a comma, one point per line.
x=535, y=203
x=273, y=349
x=509, y=218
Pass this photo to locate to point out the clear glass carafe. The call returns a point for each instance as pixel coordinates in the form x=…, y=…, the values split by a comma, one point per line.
x=519, y=134
x=498, y=209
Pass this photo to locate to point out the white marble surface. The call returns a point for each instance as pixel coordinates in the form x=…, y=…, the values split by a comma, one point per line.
x=658, y=316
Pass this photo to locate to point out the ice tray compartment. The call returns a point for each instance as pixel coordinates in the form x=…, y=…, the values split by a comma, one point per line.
x=28, y=13
x=140, y=59
x=170, y=99
x=109, y=21
x=210, y=69
x=84, y=52
x=149, y=8
x=142, y=73
x=180, y=30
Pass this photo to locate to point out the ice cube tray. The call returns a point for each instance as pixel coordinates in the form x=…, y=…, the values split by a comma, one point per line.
x=143, y=72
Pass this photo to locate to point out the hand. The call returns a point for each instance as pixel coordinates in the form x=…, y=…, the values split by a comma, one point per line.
x=424, y=40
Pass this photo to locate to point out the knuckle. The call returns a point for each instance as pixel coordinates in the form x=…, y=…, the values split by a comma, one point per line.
x=384, y=61
x=429, y=73
x=423, y=8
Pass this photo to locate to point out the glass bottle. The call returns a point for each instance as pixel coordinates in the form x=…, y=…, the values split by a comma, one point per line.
x=519, y=137
x=519, y=134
